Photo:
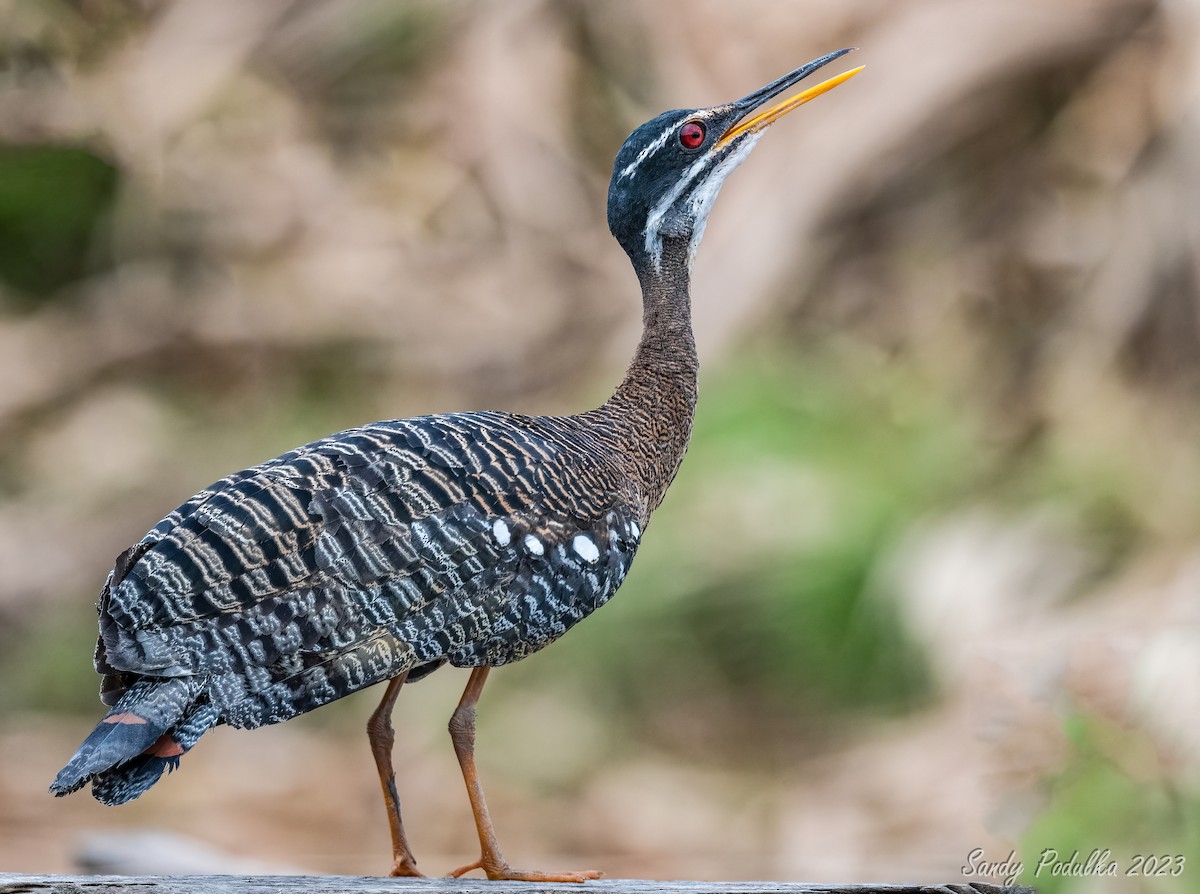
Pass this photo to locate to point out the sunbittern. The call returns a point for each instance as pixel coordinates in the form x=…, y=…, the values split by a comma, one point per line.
x=386, y=551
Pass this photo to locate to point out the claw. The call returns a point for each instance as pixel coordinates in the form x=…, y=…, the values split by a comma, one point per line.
x=504, y=872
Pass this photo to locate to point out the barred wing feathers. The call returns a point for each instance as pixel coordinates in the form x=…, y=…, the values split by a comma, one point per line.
x=465, y=538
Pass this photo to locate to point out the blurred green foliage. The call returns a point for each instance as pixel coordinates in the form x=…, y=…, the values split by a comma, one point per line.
x=47, y=661
x=54, y=204
x=1115, y=794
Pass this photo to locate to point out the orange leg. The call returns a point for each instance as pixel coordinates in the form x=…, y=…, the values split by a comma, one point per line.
x=491, y=861
x=382, y=736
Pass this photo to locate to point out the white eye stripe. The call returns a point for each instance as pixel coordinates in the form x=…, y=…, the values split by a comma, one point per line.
x=658, y=143
x=661, y=139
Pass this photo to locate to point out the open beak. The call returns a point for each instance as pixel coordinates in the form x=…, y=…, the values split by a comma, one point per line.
x=742, y=125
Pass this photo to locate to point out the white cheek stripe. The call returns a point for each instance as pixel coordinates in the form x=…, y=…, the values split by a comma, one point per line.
x=701, y=201
x=655, y=218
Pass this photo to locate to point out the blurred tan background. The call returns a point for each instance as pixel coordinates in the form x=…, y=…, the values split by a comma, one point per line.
x=928, y=581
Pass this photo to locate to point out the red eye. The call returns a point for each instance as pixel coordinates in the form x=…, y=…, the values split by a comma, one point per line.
x=691, y=135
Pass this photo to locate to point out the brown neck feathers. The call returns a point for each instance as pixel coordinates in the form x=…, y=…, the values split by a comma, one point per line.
x=650, y=414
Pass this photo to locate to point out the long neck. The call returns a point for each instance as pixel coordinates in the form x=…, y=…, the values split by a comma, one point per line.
x=651, y=411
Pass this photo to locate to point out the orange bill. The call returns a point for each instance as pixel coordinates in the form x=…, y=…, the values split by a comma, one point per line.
x=767, y=117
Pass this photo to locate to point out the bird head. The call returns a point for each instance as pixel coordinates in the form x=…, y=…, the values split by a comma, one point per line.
x=669, y=171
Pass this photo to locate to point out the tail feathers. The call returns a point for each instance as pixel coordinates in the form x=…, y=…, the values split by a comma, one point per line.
x=135, y=724
x=126, y=781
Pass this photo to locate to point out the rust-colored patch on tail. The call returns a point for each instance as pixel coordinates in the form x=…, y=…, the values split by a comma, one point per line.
x=165, y=747
x=124, y=717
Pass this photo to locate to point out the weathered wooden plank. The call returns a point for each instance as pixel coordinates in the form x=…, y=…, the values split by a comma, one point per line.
x=338, y=884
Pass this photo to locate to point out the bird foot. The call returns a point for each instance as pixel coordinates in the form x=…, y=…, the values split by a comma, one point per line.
x=405, y=867
x=504, y=872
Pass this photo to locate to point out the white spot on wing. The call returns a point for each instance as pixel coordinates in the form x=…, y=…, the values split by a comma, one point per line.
x=587, y=550
x=635, y=530
x=534, y=545
x=501, y=533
